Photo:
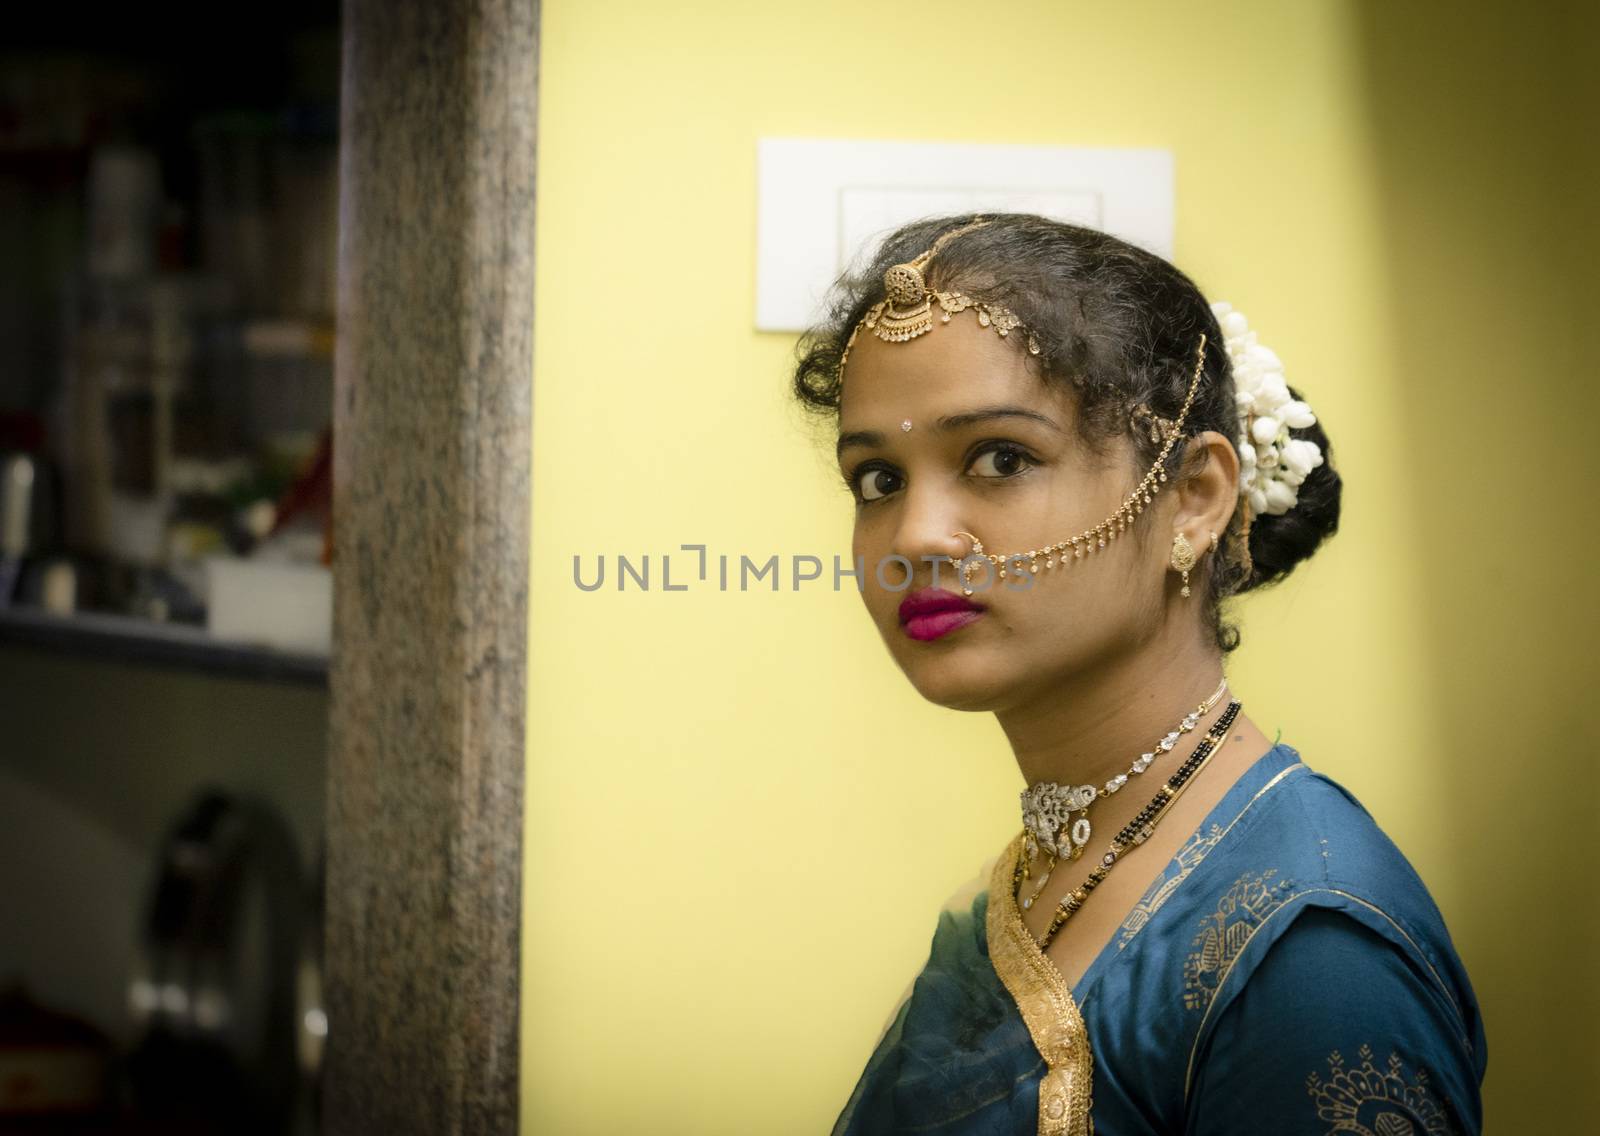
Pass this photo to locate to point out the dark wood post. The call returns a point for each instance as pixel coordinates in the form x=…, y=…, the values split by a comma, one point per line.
x=431, y=528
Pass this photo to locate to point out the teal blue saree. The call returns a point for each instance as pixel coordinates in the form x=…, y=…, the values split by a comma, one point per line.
x=1287, y=973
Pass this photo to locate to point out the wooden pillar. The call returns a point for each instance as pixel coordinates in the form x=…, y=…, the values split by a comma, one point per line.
x=431, y=529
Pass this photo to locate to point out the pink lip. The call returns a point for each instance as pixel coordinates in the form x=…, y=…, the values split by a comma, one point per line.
x=929, y=613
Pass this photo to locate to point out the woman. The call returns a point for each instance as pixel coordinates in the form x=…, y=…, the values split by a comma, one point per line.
x=1063, y=462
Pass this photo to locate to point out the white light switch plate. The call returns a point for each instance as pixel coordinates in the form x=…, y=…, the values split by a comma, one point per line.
x=822, y=201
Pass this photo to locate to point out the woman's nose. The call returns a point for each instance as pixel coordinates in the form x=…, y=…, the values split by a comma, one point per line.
x=928, y=532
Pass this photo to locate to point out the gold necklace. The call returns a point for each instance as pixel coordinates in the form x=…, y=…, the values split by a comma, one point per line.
x=1137, y=830
x=1047, y=807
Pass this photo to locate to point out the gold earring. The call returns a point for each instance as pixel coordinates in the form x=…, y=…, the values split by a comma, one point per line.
x=1183, y=558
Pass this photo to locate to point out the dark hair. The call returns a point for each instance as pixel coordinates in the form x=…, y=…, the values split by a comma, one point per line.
x=1120, y=326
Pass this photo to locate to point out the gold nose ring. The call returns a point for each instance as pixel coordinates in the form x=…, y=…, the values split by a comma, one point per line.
x=966, y=566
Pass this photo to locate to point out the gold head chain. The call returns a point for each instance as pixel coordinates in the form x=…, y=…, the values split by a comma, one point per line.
x=907, y=312
x=907, y=309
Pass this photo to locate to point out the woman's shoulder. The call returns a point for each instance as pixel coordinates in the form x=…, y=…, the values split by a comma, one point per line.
x=1317, y=835
x=1322, y=844
x=1302, y=860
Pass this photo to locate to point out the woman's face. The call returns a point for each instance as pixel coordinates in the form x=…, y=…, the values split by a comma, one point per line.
x=995, y=452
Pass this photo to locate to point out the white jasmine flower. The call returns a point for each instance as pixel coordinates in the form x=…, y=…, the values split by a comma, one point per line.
x=1300, y=457
x=1280, y=497
x=1233, y=324
x=1297, y=414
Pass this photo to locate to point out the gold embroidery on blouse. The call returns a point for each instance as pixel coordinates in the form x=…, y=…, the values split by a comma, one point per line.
x=1224, y=933
x=1278, y=909
x=1187, y=859
x=1370, y=1101
x=1047, y=1007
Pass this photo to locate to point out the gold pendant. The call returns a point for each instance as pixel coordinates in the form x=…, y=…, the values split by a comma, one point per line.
x=896, y=325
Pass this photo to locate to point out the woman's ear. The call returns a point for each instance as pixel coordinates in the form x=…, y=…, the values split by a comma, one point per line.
x=1208, y=489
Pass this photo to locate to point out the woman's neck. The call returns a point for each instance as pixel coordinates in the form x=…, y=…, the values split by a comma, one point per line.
x=1088, y=729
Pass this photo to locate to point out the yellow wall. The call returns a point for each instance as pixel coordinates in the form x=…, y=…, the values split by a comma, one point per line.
x=740, y=818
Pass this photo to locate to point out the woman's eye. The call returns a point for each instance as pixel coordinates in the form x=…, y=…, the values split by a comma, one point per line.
x=875, y=483
x=1002, y=461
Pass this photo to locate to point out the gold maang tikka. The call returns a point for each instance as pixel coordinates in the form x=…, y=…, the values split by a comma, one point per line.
x=906, y=311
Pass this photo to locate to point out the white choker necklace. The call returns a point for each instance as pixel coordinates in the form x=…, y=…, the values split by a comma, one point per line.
x=1047, y=807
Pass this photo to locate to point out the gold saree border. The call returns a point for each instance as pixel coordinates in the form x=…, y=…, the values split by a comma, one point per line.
x=1046, y=1005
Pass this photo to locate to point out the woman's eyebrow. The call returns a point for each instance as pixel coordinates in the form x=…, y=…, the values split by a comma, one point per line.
x=868, y=438
x=986, y=413
x=952, y=422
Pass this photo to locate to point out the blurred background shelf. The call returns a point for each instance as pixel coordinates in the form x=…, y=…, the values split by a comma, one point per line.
x=118, y=638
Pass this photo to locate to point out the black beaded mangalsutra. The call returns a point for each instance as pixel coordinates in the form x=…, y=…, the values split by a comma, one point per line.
x=1137, y=830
